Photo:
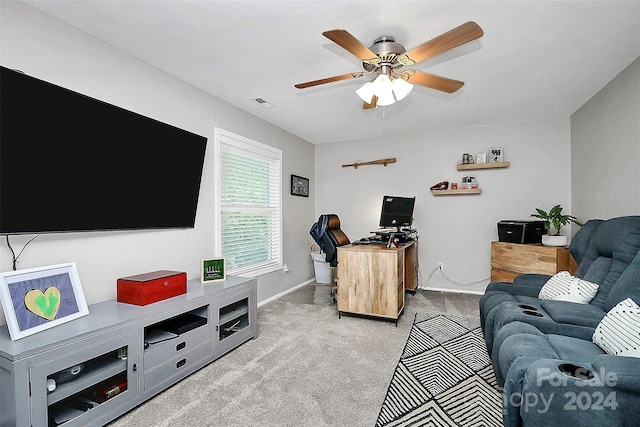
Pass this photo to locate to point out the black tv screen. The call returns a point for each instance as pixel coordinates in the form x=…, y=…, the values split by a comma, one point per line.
x=397, y=211
x=69, y=162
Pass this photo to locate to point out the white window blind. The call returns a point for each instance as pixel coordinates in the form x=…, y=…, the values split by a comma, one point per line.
x=249, y=220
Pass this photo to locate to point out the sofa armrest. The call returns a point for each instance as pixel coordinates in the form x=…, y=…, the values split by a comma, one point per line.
x=514, y=289
x=589, y=397
x=573, y=313
x=532, y=279
x=620, y=372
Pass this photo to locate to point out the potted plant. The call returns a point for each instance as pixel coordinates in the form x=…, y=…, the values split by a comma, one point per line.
x=554, y=219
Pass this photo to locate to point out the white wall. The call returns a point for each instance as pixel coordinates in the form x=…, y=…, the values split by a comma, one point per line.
x=53, y=51
x=456, y=230
x=605, y=142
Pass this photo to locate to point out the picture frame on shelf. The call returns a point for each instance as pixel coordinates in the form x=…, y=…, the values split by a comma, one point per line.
x=213, y=270
x=40, y=298
x=299, y=186
x=496, y=155
x=481, y=158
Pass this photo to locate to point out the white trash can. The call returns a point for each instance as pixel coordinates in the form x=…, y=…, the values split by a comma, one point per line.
x=321, y=267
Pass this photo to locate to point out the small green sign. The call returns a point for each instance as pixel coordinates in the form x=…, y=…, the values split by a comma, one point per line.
x=213, y=270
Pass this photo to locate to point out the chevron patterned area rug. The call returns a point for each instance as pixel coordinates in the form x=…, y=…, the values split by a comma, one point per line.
x=444, y=377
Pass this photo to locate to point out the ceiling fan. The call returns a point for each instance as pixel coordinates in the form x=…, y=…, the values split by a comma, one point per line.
x=385, y=58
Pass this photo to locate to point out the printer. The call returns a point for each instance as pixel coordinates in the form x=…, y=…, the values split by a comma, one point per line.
x=521, y=231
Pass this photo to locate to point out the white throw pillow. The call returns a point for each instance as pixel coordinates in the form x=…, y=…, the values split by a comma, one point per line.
x=563, y=286
x=618, y=332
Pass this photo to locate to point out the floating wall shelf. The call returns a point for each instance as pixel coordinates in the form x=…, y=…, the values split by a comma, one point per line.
x=484, y=166
x=456, y=192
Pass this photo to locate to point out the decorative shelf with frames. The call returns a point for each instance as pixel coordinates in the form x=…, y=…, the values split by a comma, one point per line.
x=456, y=192
x=468, y=191
x=484, y=166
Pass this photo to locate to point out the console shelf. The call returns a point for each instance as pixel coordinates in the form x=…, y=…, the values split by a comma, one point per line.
x=93, y=369
x=89, y=377
x=232, y=315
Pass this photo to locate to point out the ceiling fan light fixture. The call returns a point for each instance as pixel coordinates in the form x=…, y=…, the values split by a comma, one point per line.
x=366, y=92
x=401, y=88
x=383, y=89
x=382, y=85
x=386, y=56
x=385, y=99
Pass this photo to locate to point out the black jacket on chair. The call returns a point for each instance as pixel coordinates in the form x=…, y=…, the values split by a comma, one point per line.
x=333, y=237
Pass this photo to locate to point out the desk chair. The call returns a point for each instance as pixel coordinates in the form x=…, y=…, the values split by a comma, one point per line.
x=332, y=238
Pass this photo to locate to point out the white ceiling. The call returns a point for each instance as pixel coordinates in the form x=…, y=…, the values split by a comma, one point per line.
x=537, y=59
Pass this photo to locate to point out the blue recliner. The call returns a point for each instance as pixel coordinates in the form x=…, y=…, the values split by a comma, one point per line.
x=610, y=260
x=556, y=380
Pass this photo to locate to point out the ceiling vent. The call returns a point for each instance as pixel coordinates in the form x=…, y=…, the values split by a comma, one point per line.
x=262, y=102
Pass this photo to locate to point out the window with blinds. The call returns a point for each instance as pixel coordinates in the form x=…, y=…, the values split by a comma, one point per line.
x=248, y=203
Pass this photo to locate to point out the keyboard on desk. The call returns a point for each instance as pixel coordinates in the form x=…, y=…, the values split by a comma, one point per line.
x=369, y=241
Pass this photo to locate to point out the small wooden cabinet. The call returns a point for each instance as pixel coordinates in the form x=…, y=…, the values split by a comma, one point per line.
x=372, y=279
x=510, y=259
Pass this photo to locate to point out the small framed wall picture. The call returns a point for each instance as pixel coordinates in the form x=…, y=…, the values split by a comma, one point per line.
x=299, y=186
x=40, y=298
x=213, y=270
x=496, y=155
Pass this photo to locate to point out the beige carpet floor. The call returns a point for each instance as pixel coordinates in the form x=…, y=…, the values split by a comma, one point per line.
x=306, y=368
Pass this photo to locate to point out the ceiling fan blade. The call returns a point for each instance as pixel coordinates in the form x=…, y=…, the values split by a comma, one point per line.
x=373, y=103
x=345, y=40
x=329, y=80
x=465, y=33
x=432, y=81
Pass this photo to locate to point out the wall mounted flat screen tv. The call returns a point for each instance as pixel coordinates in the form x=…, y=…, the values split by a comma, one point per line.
x=397, y=211
x=69, y=163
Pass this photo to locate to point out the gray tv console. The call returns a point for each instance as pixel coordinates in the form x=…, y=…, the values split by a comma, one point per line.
x=127, y=353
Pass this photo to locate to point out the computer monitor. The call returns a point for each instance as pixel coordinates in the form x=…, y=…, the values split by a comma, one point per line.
x=397, y=211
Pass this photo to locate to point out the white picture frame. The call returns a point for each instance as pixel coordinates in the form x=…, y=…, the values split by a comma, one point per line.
x=496, y=155
x=40, y=298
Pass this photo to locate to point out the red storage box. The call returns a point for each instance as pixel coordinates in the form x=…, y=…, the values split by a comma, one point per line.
x=143, y=289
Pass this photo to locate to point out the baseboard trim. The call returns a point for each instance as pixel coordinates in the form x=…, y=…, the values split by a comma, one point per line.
x=283, y=293
x=454, y=291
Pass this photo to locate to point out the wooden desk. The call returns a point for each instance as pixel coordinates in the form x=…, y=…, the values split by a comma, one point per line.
x=372, y=278
x=510, y=259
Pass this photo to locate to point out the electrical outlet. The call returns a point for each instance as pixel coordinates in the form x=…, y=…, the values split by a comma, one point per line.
x=441, y=266
x=285, y=268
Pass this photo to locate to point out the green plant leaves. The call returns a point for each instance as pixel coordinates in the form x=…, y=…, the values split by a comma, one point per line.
x=555, y=218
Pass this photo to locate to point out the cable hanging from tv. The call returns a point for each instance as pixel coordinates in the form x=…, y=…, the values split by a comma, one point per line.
x=14, y=257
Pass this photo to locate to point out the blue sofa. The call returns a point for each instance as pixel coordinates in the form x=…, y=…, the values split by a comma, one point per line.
x=607, y=254
x=556, y=380
x=543, y=352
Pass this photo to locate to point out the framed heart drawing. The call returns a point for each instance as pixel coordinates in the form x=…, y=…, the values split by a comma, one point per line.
x=40, y=298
